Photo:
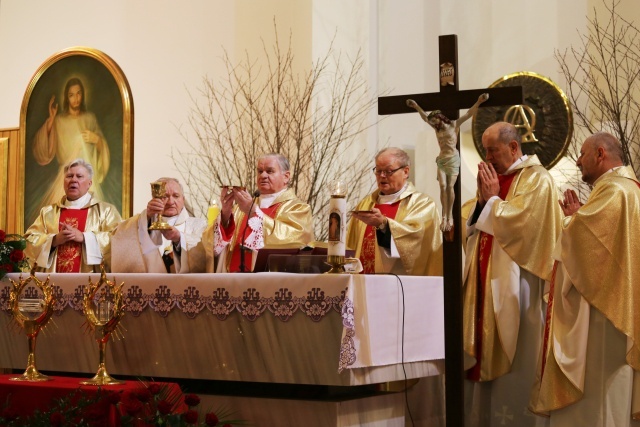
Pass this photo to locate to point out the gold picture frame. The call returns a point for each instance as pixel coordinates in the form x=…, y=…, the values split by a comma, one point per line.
x=51, y=134
x=4, y=173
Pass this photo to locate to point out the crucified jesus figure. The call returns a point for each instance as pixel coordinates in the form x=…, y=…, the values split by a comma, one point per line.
x=448, y=161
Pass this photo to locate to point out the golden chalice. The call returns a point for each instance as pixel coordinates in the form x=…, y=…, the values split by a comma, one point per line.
x=158, y=191
x=103, y=306
x=31, y=311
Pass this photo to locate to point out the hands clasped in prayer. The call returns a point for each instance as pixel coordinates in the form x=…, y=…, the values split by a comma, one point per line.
x=571, y=203
x=68, y=234
x=488, y=184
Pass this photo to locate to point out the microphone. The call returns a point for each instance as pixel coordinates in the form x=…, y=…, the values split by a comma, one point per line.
x=242, y=266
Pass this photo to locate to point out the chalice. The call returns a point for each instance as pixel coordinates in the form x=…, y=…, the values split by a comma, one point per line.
x=31, y=310
x=103, y=306
x=158, y=190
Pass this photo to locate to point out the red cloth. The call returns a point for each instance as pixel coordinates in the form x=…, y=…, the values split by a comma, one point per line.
x=25, y=397
x=368, y=251
x=70, y=254
x=484, y=252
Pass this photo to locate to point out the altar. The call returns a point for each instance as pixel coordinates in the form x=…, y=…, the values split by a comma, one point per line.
x=270, y=328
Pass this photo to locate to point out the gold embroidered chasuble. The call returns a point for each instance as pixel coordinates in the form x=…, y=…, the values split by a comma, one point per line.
x=291, y=227
x=102, y=218
x=415, y=231
x=525, y=228
x=599, y=265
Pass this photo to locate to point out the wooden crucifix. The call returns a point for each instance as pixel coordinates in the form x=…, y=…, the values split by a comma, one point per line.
x=450, y=100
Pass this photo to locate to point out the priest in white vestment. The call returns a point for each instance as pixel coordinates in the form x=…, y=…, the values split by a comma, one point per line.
x=511, y=233
x=136, y=249
x=590, y=356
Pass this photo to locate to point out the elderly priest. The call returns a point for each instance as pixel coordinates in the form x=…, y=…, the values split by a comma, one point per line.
x=273, y=217
x=590, y=358
x=512, y=230
x=72, y=235
x=395, y=229
x=178, y=249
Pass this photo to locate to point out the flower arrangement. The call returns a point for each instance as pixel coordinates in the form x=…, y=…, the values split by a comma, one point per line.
x=151, y=404
x=12, y=256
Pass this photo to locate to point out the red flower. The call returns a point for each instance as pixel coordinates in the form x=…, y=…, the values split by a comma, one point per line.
x=164, y=407
x=154, y=388
x=2, y=236
x=227, y=425
x=191, y=400
x=56, y=419
x=191, y=416
x=143, y=395
x=9, y=414
x=211, y=419
x=16, y=255
x=132, y=406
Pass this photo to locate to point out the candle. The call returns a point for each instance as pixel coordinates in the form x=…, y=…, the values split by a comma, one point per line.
x=337, y=219
x=212, y=213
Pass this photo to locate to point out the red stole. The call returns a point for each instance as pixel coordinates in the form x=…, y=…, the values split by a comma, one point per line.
x=484, y=254
x=234, y=264
x=69, y=257
x=368, y=250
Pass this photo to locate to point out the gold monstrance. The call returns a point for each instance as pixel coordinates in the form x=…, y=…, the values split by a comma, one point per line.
x=103, y=316
x=32, y=314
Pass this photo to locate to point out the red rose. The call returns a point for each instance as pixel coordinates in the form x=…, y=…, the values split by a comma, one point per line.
x=165, y=407
x=2, y=235
x=190, y=417
x=211, y=419
x=155, y=388
x=143, y=395
x=56, y=419
x=9, y=414
x=132, y=406
x=191, y=400
x=16, y=255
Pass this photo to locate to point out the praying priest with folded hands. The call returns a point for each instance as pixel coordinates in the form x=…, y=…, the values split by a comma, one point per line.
x=136, y=249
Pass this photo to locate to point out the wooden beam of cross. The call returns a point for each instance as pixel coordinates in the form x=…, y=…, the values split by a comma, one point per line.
x=450, y=100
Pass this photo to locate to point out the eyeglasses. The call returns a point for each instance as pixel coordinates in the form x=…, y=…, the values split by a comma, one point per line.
x=387, y=173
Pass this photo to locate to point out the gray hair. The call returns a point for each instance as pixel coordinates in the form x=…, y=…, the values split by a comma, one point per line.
x=187, y=206
x=282, y=160
x=396, y=152
x=610, y=143
x=79, y=162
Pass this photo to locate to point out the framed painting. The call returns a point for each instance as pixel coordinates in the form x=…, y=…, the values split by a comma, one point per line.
x=78, y=105
x=4, y=170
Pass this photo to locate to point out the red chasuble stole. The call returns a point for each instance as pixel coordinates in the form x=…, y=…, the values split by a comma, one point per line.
x=69, y=257
x=484, y=254
x=234, y=265
x=368, y=250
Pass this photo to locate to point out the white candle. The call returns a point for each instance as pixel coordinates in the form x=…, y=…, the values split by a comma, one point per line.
x=337, y=226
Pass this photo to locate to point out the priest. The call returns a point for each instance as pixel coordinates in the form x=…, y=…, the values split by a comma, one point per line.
x=591, y=349
x=72, y=235
x=273, y=217
x=136, y=249
x=396, y=228
x=511, y=233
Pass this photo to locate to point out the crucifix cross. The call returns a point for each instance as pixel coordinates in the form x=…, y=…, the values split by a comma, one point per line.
x=450, y=100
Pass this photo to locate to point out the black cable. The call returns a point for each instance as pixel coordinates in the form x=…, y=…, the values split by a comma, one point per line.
x=243, y=267
x=404, y=371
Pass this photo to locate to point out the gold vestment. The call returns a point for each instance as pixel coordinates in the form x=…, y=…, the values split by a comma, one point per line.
x=599, y=257
x=526, y=225
x=415, y=231
x=102, y=218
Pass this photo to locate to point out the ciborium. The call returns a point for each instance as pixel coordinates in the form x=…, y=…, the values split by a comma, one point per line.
x=103, y=306
x=158, y=191
x=31, y=308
